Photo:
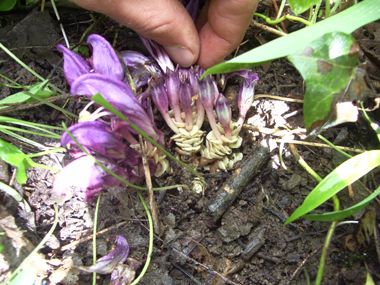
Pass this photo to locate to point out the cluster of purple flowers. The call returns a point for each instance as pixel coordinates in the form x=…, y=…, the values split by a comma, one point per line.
x=180, y=96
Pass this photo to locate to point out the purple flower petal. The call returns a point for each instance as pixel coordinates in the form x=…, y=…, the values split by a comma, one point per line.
x=104, y=58
x=159, y=54
x=85, y=174
x=96, y=137
x=73, y=65
x=109, y=262
x=118, y=94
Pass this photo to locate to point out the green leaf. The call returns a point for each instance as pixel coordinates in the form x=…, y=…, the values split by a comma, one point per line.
x=347, y=21
x=345, y=174
x=6, y=5
x=328, y=66
x=22, y=96
x=300, y=6
x=339, y=215
x=12, y=155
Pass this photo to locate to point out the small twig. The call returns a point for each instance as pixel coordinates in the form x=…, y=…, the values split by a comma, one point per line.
x=75, y=243
x=148, y=179
x=238, y=181
x=266, y=28
x=26, y=106
x=323, y=145
x=278, y=98
x=209, y=270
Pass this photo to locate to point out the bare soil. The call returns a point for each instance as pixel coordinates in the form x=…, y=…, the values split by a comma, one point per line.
x=248, y=245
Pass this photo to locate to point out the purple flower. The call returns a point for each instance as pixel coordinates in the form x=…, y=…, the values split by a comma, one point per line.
x=73, y=65
x=104, y=58
x=95, y=137
x=118, y=94
x=89, y=177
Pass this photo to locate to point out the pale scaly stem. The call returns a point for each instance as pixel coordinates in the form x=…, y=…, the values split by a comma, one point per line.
x=212, y=121
x=177, y=114
x=189, y=119
x=200, y=114
x=169, y=121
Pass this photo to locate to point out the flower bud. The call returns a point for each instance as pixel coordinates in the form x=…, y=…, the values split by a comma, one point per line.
x=246, y=95
x=223, y=110
x=185, y=99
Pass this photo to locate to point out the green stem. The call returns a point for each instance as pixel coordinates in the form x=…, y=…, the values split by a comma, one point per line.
x=333, y=146
x=327, y=8
x=150, y=249
x=281, y=8
x=44, y=167
x=374, y=126
x=58, y=149
x=315, y=14
x=330, y=233
x=333, y=224
x=51, y=104
x=52, y=135
x=94, y=236
x=28, y=124
x=45, y=239
x=283, y=18
x=28, y=68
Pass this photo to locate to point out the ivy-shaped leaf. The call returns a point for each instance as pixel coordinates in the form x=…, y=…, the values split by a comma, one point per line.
x=328, y=66
x=300, y=6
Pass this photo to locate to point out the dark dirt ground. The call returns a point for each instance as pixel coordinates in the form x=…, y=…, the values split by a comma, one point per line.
x=249, y=245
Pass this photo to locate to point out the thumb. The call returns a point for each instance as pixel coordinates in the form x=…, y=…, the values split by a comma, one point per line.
x=164, y=21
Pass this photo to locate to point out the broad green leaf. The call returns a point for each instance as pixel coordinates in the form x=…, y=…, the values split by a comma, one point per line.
x=345, y=174
x=300, y=6
x=26, y=277
x=347, y=21
x=12, y=155
x=22, y=96
x=339, y=215
x=6, y=5
x=328, y=66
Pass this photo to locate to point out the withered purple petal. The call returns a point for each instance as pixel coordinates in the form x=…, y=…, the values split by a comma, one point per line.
x=73, y=65
x=104, y=57
x=96, y=137
x=118, y=94
x=109, y=262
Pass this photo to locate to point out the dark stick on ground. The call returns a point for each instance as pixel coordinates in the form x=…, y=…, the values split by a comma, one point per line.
x=238, y=181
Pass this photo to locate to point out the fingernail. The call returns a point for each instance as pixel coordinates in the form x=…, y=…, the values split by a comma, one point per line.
x=180, y=55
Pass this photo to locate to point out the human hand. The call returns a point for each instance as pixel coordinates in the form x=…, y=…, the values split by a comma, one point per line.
x=219, y=29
